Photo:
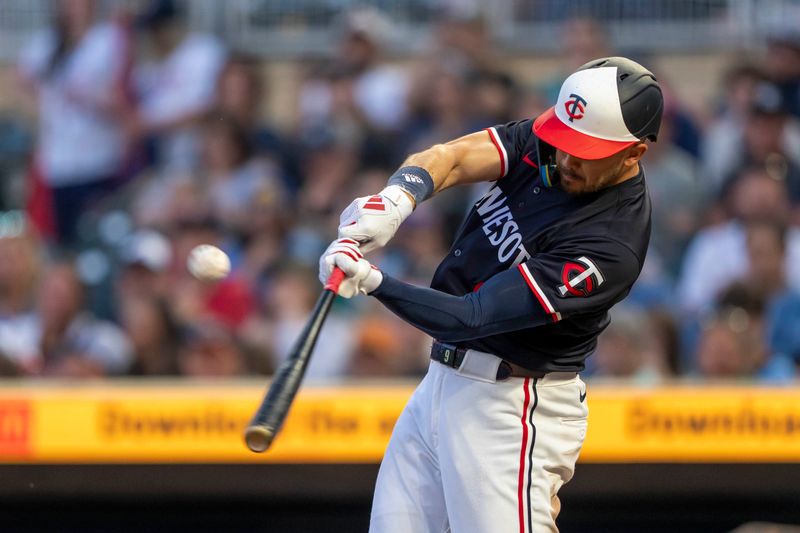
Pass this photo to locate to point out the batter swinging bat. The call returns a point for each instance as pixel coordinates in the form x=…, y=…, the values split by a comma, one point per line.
x=273, y=410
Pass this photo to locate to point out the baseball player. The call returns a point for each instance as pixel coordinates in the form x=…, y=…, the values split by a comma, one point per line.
x=494, y=429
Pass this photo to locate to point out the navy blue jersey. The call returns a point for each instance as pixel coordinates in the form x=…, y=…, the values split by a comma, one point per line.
x=579, y=255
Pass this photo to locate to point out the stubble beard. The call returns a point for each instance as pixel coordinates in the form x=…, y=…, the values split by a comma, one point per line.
x=583, y=186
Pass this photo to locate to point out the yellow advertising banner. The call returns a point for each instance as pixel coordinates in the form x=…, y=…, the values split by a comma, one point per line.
x=170, y=422
x=693, y=424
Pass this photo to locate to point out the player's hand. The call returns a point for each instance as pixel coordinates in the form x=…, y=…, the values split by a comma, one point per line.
x=373, y=220
x=360, y=275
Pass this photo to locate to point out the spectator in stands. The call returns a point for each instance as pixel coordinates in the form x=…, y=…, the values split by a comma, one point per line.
x=666, y=339
x=782, y=62
x=177, y=86
x=494, y=96
x=685, y=132
x=462, y=40
x=461, y=46
x=141, y=291
x=717, y=255
x=145, y=260
x=73, y=342
x=20, y=262
x=236, y=180
x=233, y=182
x=752, y=331
x=418, y=246
x=154, y=335
x=240, y=96
x=723, y=137
x=445, y=113
x=210, y=350
x=378, y=352
x=733, y=342
x=163, y=199
x=767, y=275
x=461, y=65
x=766, y=257
x=77, y=70
x=385, y=347
x=264, y=236
x=355, y=89
x=379, y=89
x=783, y=335
x=770, y=138
x=626, y=349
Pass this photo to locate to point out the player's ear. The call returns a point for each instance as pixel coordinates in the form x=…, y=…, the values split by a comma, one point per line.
x=634, y=154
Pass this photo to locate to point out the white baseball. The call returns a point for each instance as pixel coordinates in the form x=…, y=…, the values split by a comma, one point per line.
x=208, y=263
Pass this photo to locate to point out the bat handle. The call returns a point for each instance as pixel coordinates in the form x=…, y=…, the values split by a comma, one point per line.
x=334, y=280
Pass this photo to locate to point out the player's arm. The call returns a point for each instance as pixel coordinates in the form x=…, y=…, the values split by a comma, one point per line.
x=468, y=159
x=373, y=220
x=534, y=294
x=502, y=304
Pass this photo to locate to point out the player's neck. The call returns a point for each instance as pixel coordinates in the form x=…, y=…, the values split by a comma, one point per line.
x=629, y=174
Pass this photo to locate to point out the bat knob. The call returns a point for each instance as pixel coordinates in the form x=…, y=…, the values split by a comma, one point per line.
x=258, y=438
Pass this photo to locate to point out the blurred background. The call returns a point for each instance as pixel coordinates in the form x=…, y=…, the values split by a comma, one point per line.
x=131, y=131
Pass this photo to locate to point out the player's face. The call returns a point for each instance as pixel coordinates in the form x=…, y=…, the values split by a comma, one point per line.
x=581, y=176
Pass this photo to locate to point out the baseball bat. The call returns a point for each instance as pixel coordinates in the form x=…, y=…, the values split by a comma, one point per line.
x=273, y=410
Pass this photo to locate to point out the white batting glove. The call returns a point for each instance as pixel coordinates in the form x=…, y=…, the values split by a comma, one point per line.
x=360, y=275
x=373, y=220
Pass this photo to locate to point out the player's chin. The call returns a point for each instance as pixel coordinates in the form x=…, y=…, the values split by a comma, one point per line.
x=572, y=184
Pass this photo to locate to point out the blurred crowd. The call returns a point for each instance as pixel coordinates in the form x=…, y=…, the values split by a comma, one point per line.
x=149, y=140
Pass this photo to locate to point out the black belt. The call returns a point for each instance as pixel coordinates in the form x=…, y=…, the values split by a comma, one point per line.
x=452, y=356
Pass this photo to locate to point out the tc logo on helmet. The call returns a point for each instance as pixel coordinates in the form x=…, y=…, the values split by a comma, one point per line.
x=580, y=279
x=575, y=107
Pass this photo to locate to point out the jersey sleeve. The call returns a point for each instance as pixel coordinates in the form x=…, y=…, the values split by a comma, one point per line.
x=574, y=280
x=510, y=140
x=580, y=277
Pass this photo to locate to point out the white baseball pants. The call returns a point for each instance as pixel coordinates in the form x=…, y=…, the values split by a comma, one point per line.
x=471, y=456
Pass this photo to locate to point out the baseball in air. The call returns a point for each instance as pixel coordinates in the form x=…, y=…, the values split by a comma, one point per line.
x=208, y=263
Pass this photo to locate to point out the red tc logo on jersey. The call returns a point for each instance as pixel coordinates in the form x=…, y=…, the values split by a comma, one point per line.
x=575, y=107
x=580, y=278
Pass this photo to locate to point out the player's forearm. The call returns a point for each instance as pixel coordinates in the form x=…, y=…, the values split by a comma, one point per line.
x=468, y=159
x=373, y=220
x=442, y=316
x=505, y=305
x=440, y=161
